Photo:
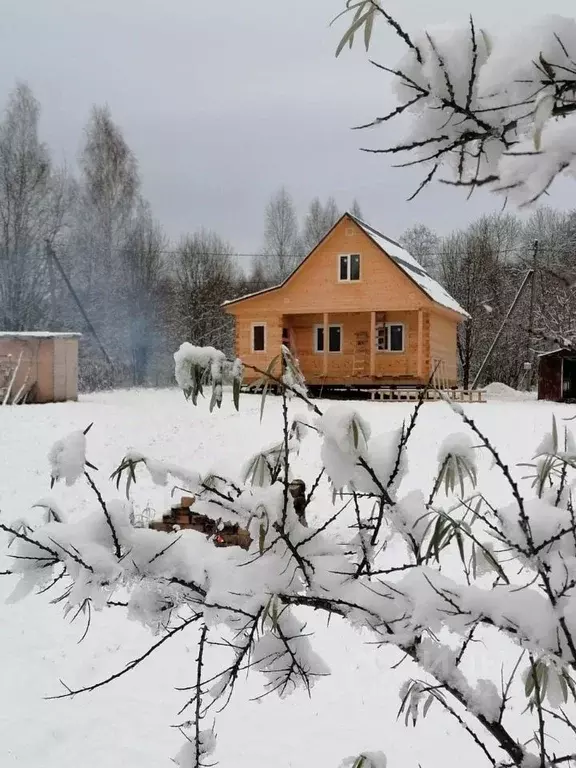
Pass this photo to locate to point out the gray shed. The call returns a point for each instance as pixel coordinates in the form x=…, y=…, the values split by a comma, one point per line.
x=38, y=366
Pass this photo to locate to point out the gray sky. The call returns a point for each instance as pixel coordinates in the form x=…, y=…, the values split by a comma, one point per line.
x=224, y=101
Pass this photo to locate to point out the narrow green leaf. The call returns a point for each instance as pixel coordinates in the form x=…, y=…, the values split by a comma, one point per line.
x=263, y=400
x=236, y=393
x=460, y=543
x=529, y=684
x=348, y=37
x=427, y=705
x=368, y=28
x=563, y=685
x=261, y=538
x=355, y=436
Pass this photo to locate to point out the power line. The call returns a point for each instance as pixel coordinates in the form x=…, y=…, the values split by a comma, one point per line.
x=448, y=252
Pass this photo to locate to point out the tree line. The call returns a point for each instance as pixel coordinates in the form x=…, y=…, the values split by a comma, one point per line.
x=144, y=294
x=484, y=265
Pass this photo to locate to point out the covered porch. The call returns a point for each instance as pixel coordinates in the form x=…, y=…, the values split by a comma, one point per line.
x=360, y=348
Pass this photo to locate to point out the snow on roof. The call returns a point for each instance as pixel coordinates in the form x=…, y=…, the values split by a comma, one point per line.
x=411, y=268
x=37, y=335
x=399, y=256
x=567, y=350
x=254, y=293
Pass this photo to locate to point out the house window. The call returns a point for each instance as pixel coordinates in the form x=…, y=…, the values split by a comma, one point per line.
x=334, y=338
x=349, y=268
x=390, y=337
x=259, y=337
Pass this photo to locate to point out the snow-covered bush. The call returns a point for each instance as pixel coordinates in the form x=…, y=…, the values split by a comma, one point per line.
x=463, y=574
x=486, y=109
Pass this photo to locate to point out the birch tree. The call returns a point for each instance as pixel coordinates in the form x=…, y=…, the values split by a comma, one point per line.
x=282, y=246
x=319, y=220
x=34, y=200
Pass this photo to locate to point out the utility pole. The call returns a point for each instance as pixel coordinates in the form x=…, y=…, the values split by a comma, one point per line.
x=529, y=355
x=52, y=278
x=53, y=257
x=529, y=275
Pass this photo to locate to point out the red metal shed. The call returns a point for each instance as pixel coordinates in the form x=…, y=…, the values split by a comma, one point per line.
x=38, y=367
x=557, y=376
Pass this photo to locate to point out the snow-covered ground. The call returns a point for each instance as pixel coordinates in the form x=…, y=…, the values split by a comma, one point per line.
x=127, y=724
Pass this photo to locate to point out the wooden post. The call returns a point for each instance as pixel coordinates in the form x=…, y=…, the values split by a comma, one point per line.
x=372, y=344
x=420, y=344
x=326, y=343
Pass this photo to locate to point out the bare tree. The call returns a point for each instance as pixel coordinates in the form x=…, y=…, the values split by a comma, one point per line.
x=33, y=202
x=477, y=267
x=104, y=220
x=319, y=220
x=205, y=275
x=548, y=248
x=355, y=209
x=282, y=247
x=257, y=278
x=423, y=244
x=109, y=187
x=110, y=180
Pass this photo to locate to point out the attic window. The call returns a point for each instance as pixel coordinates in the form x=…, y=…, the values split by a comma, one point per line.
x=349, y=267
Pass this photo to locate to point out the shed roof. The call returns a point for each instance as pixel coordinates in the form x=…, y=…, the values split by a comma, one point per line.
x=399, y=255
x=559, y=352
x=38, y=335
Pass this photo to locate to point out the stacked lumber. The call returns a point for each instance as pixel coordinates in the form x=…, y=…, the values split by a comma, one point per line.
x=183, y=517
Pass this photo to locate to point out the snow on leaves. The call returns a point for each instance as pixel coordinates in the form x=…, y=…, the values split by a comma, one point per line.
x=197, y=367
x=487, y=110
x=365, y=760
x=67, y=457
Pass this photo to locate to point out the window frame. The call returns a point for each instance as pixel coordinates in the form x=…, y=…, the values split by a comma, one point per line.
x=388, y=327
x=252, y=345
x=348, y=257
x=315, y=339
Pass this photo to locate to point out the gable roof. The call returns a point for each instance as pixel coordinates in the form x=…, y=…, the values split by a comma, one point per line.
x=399, y=255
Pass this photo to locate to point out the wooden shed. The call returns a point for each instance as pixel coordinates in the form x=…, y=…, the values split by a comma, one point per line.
x=557, y=376
x=38, y=367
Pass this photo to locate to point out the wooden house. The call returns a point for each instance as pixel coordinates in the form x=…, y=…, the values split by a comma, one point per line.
x=557, y=376
x=359, y=311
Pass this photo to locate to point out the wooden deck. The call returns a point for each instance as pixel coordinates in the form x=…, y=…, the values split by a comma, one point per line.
x=414, y=393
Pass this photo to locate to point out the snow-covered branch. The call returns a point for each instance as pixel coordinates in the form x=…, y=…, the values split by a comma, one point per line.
x=485, y=110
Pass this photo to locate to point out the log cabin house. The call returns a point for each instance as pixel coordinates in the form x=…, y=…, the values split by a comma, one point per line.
x=358, y=312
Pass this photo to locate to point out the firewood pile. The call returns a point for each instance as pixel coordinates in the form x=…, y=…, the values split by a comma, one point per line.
x=183, y=517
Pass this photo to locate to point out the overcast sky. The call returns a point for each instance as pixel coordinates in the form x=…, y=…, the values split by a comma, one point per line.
x=224, y=101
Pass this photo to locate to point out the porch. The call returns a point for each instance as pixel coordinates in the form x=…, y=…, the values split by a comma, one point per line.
x=360, y=348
